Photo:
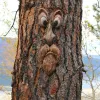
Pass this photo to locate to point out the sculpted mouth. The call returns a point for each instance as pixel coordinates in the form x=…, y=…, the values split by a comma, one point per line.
x=48, y=57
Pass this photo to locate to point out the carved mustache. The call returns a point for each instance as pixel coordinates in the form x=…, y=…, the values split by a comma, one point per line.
x=45, y=50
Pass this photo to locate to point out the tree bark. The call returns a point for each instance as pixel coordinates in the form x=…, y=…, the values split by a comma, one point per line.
x=64, y=80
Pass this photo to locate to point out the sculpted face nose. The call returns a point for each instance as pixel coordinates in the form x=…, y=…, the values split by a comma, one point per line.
x=49, y=36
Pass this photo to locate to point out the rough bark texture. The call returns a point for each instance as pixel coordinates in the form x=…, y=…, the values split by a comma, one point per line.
x=30, y=82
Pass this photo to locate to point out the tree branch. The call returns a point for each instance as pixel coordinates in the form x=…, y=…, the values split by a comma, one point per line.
x=12, y=23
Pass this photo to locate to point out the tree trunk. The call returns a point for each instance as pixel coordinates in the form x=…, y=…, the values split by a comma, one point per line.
x=48, y=64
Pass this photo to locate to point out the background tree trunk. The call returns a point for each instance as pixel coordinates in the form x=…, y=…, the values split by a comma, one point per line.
x=65, y=83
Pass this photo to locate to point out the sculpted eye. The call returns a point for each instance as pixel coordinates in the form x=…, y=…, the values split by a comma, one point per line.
x=43, y=18
x=57, y=21
x=43, y=21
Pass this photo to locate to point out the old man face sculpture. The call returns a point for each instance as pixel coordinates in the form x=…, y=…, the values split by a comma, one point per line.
x=49, y=53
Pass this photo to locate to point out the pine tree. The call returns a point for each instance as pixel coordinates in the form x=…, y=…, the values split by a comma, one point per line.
x=48, y=64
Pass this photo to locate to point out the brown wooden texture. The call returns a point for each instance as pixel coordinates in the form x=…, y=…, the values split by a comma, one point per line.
x=64, y=82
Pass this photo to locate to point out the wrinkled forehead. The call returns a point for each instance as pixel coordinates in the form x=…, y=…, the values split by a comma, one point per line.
x=52, y=4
